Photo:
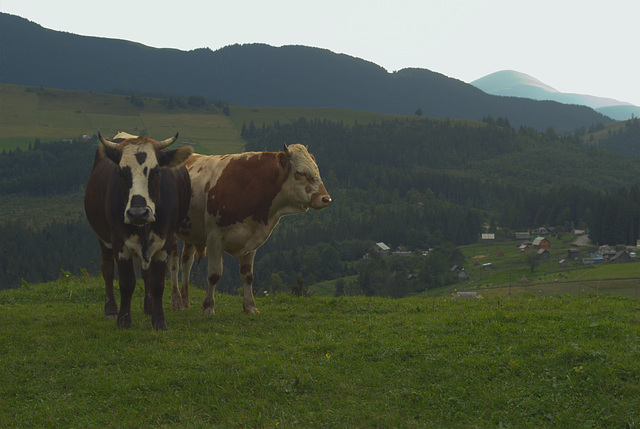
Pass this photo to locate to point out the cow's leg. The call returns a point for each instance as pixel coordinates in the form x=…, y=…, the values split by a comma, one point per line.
x=148, y=300
x=107, y=266
x=154, y=284
x=246, y=275
x=147, y=305
x=214, y=272
x=186, y=262
x=176, y=297
x=127, y=279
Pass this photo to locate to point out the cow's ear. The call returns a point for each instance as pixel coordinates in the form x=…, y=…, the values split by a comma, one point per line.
x=283, y=160
x=111, y=154
x=174, y=158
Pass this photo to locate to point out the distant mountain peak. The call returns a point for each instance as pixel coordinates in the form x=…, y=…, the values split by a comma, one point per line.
x=511, y=83
x=507, y=81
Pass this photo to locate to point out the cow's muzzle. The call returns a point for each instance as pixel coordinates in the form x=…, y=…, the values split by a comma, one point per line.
x=320, y=201
x=139, y=216
x=321, y=198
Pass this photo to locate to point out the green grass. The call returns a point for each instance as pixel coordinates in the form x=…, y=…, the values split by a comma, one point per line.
x=566, y=361
x=29, y=112
x=509, y=265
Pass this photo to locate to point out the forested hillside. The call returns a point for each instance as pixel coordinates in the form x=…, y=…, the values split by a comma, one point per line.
x=415, y=183
x=625, y=141
x=47, y=169
x=260, y=75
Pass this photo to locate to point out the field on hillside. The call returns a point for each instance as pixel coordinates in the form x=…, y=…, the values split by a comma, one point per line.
x=510, y=271
x=319, y=362
x=51, y=114
x=27, y=113
x=510, y=274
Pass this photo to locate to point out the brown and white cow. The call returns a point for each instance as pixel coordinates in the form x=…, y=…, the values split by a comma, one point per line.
x=136, y=196
x=236, y=201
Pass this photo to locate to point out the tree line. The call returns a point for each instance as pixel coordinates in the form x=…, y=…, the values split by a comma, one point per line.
x=46, y=169
x=421, y=183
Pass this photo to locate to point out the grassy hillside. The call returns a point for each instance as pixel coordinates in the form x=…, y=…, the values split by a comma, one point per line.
x=51, y=114
x=510, y=273
x=509, y=265
x=320, y=362
x=27, y=113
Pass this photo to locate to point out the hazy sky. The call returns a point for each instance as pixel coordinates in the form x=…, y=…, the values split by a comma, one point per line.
x=584, y=46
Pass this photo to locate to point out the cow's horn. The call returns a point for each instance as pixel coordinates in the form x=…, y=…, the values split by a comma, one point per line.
x=167, y=142
x=107, y=143
x=286, y=149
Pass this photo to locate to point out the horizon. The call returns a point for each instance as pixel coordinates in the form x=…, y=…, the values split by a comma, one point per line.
x=466, y=40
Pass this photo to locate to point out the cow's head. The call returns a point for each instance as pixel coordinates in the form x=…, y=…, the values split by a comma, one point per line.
x=139, y=160
x=307, y=185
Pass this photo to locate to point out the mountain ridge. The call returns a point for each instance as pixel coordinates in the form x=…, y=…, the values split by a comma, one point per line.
x=260, y=75
x=512, y=83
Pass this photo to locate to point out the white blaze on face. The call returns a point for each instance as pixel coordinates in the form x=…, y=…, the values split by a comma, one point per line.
x=308, y=182
x=140, y=161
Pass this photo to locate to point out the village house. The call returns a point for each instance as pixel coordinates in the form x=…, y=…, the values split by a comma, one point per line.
x=488, y=239
x=459, y=272
x=468, y=295
x=542, y=232
x=606, y=251
x=381, y=249
x=402, y=251
x=543, y=253
x=541, y=243
x=621, y=256
x=573, y=254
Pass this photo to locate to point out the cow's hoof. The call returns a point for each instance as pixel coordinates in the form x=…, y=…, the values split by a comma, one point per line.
x=176, y=304
x=124, y=322
x=110, y=310
x=208, y=311
x=251, y=310
x=160, y=326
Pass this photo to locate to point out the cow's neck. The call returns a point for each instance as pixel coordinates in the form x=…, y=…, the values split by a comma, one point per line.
x=281, y=206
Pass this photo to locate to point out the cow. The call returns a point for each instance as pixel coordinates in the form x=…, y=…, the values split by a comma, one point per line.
x=236, y=201
x=136, y=197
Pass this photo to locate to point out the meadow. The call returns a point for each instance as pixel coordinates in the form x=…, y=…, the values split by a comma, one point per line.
x=544, y=353
x=359, y=362
x=27, y=113
x=511, y=275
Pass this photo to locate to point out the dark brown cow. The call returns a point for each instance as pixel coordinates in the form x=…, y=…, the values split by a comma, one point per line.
x=136, y=197
x=236, y=202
